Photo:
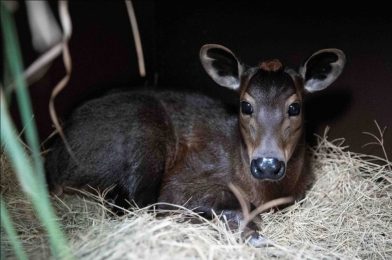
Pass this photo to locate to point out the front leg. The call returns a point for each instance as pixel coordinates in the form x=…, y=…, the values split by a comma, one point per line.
x=234, y=220
x=220, y=201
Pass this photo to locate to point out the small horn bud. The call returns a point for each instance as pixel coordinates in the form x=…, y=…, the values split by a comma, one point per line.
x=271, y=65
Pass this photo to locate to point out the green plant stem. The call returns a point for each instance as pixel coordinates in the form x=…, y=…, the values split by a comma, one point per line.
x=25, y=173
x=14, y=61
x=30, y=176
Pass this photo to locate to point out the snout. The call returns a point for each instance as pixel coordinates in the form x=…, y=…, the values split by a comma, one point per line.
x=267, y=168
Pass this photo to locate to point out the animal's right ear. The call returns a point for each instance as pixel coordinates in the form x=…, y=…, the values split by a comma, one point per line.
x=222, y=65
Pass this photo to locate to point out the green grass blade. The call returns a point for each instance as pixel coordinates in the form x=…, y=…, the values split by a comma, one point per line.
x=6, y=223
x=30, y=175
x=14, y=61
x=25, y=173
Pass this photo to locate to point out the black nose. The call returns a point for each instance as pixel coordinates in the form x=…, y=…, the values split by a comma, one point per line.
x=267, y=168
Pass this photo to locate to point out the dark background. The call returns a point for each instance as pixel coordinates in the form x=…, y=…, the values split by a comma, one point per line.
x=104, y=57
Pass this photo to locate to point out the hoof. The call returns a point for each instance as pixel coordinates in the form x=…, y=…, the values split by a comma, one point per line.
x=257, y=240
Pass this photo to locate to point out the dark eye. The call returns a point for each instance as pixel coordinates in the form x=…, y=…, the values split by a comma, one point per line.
x=246, y=108
x=294, y=109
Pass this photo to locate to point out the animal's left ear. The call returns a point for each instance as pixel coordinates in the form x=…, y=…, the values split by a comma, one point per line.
x=322, y=68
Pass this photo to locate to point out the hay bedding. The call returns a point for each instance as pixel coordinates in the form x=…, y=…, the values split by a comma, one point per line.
x=347, y=214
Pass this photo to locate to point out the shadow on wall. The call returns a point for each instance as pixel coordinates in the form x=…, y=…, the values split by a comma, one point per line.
x=325, y=108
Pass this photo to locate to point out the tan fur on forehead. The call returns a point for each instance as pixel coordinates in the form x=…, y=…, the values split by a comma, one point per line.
x=271, y=65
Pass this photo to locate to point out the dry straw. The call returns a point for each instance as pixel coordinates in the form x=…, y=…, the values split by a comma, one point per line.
x=346, y=214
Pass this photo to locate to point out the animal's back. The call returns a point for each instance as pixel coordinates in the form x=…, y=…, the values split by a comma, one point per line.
x=128, y=139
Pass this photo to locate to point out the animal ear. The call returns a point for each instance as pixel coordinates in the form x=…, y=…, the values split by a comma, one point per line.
x=322, y=68
x=222, y=65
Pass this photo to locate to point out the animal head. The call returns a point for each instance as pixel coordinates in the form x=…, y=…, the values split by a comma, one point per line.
x=271, y=101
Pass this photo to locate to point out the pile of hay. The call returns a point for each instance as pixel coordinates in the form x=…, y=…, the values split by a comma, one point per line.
x=346, y=214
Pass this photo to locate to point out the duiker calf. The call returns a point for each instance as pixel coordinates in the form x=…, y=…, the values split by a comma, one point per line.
x=186, y=148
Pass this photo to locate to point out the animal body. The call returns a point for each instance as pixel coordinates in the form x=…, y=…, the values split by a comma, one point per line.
x=185, y=149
